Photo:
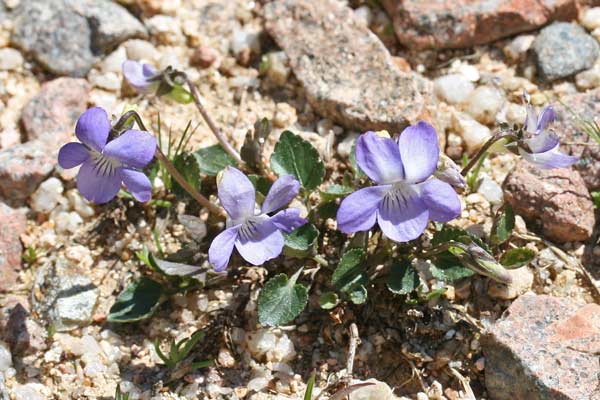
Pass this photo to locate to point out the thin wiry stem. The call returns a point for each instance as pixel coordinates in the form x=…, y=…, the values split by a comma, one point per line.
x=164, y=160
x=484, y=149
x=228, y=147
x=203, y=201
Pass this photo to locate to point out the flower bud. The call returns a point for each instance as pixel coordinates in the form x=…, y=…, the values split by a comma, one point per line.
x=448, y=171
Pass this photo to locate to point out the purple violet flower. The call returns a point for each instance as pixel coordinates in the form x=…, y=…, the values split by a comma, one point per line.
x=256, y=235
x=105, y=165
x=405, y=199
x=543, y=144
x=138, y=75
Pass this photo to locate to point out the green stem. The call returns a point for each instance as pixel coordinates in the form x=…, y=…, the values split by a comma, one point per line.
x=320, y=260
x=164, y=160
x=484, y=149
x=203, y=201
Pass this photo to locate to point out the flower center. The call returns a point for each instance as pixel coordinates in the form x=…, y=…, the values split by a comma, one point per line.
x=399, y=195
x=250, y=227
x=103, y=165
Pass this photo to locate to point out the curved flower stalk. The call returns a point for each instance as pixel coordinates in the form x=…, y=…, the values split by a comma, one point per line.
x=256, y=235
x=406, y=198
x=540, y=146
x=105, y=165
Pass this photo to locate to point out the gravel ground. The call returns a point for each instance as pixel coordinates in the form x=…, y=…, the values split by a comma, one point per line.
x=430, y=349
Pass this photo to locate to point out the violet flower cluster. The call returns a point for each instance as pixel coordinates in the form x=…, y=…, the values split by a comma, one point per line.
x=542, y=145
x=105, y=165
x=255, y=234
x=406, y=197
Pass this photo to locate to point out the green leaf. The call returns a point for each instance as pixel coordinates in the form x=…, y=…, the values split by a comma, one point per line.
x=187, y=165
x=213, y=159
x=596, y=199
x=504, y=226
x=335, y=191
x=309, y=387
x=516, y=258
x=137, y=302
x=349, y=277
x=403, y=278
x=358, y=295
x=281, y=300
x=295, y=156
x=328, y=300
x=445, y=266
x=180, y=95
x=301, y=241
x=261, y=184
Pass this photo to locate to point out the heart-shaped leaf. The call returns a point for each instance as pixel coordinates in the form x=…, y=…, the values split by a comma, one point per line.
x=403, y=278
x=212, y=160
x=301, y=241
x=138, y=301
x=349, y=277
x=281, y=300
x=295, y=156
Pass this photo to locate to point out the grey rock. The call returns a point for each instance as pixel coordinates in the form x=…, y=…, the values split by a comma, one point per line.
x=563, y=49
x=69, y=297
x=348, y=74
x=67, y=36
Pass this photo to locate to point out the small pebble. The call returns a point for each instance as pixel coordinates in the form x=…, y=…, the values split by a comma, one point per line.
x=591, y=18
x=10, y=59
x=484, y=103
x=473, y=133
x=453, y=89
x=47, y=196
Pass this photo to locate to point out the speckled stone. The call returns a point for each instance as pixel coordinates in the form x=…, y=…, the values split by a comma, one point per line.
x=55, y=110
x=563, y=49
x=67, y=36
x=22, y=168
x=554, y=201
x=347, y=73
x=464, y=23
x=544, y=348
x=67, y=296
x=12, y=225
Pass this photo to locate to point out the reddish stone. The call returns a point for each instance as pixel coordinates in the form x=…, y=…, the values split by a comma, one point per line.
x=23, y=168
x=204, y=57
x=554, y=201
x=54, y=111
x=536, y=351
x=12, y=225
x=585, y=106
x=464, y=23
x=348, y=74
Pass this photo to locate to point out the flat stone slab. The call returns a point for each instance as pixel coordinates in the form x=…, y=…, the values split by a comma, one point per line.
x=544, y=348
x=423, y=24
x=346, y=71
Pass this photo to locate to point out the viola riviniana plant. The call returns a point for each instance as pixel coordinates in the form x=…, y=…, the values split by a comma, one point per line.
x=542, y=145
x=406, y=197
x=105, y=165
x=257, y=236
